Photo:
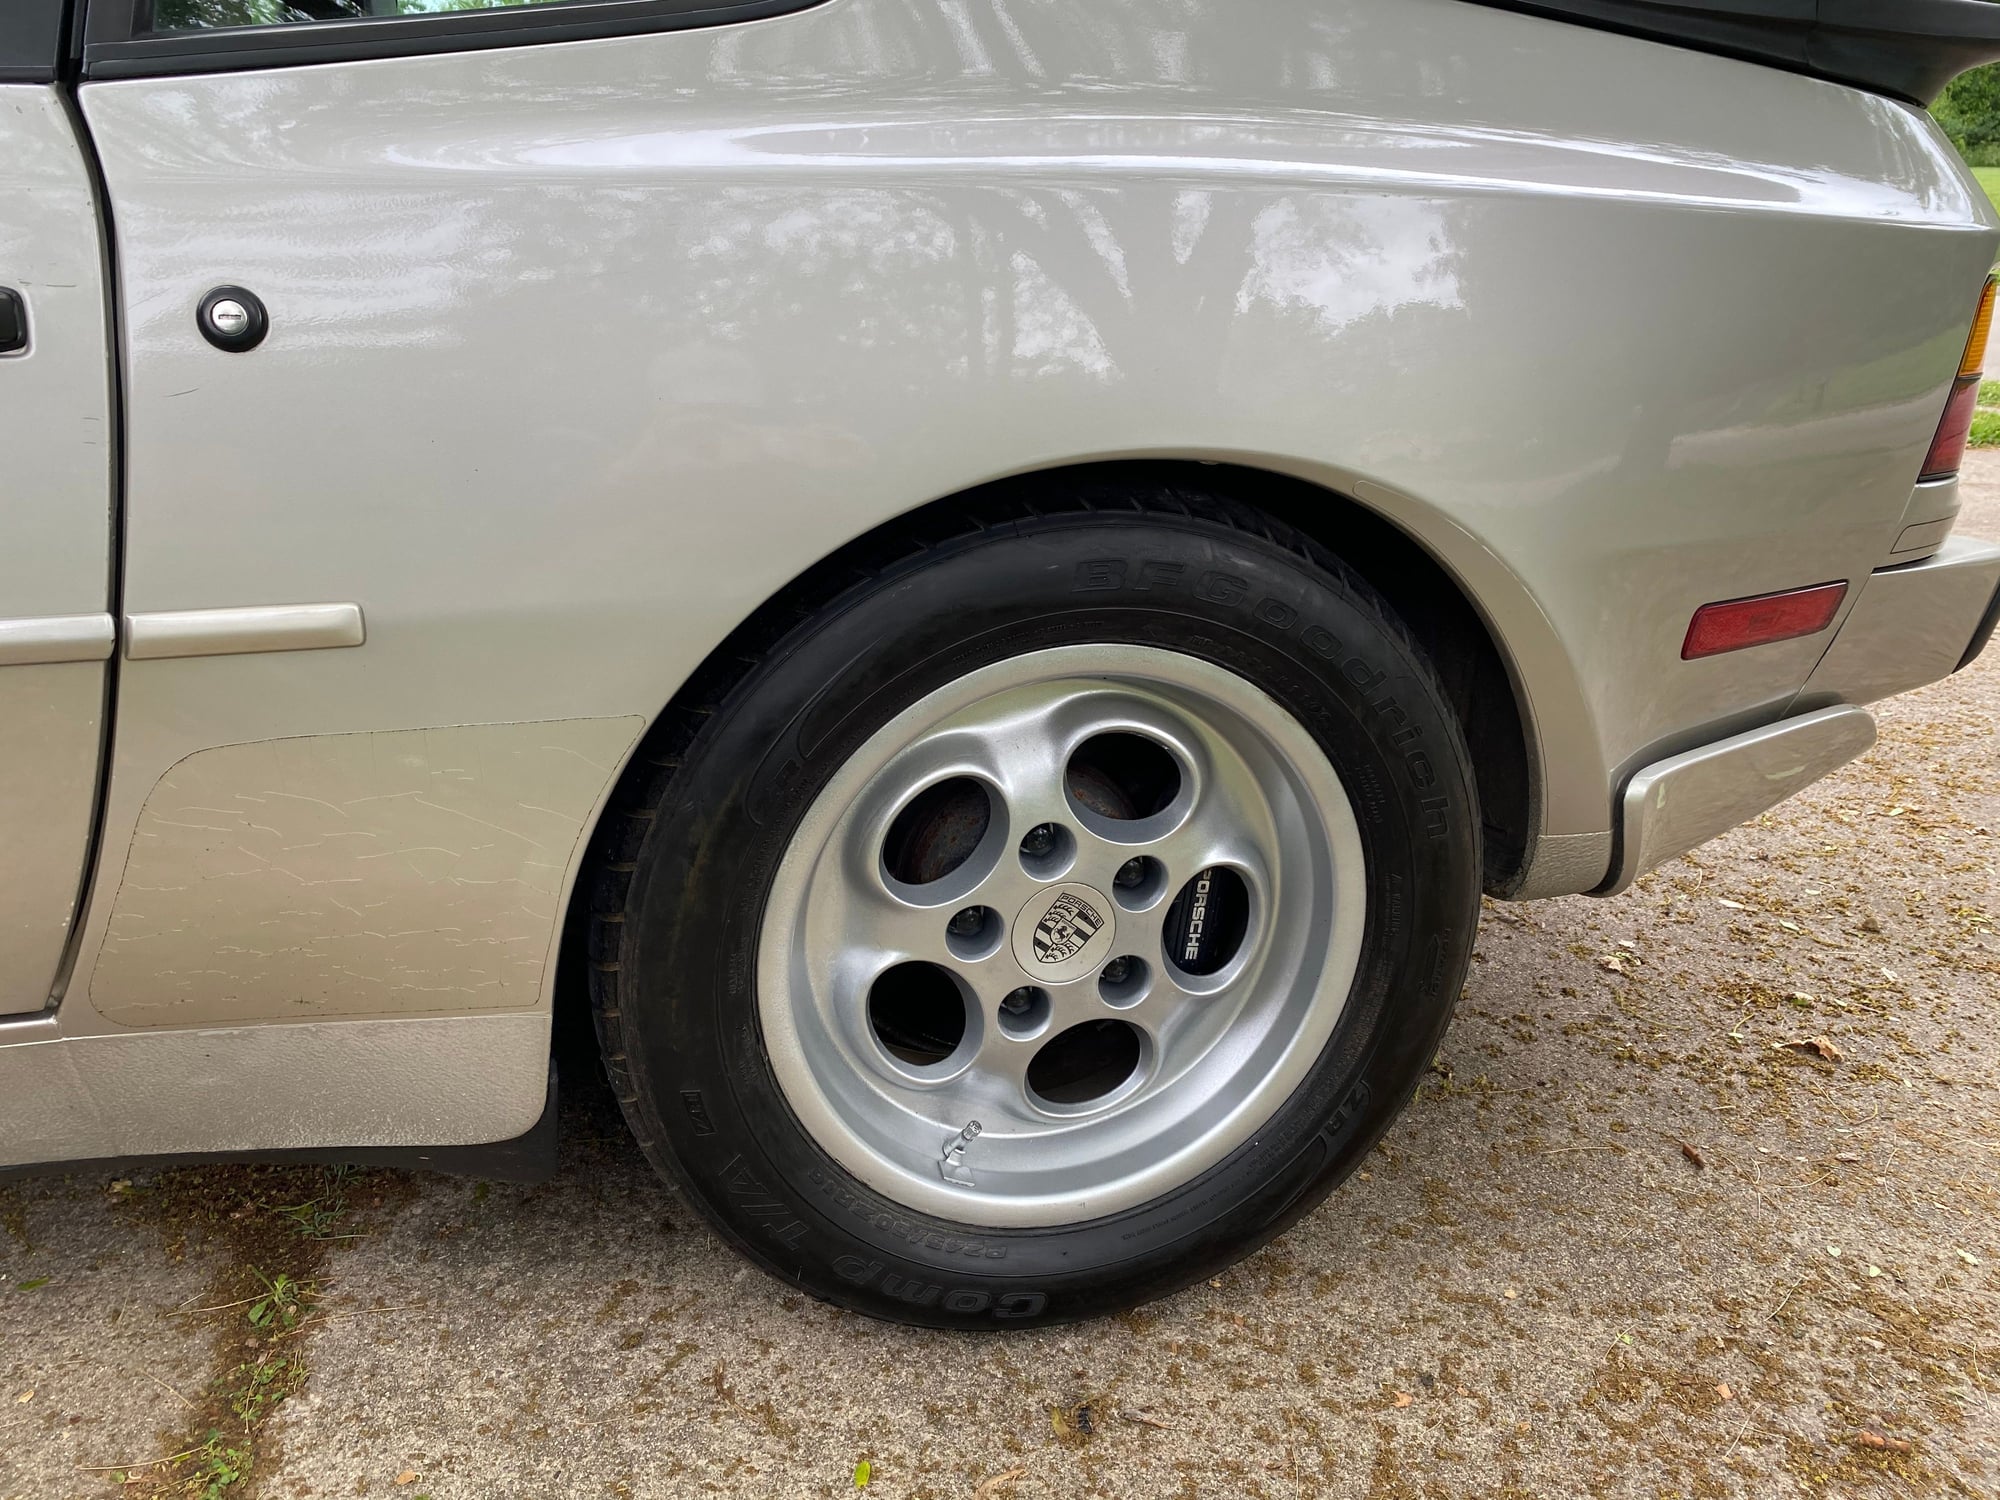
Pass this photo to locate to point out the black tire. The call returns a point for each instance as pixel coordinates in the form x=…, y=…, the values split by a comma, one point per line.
x=690, y=849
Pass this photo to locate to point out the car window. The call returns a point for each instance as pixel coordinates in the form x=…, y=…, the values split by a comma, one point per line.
x=154, y=38
x=207, y=15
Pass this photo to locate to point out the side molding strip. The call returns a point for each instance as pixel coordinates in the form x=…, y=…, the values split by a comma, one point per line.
x=237, y=632
x=53, y=638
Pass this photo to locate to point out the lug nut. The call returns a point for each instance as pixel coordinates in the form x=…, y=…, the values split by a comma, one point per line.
x=1019, y=1002
x=1118, y=970
x=1039, y=840
x=968, y=922
x=1131, y=873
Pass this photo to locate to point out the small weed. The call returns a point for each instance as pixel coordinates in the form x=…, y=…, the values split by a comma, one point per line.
x=321, y=1216
x=1985, y=429
x=261, y=1386
x=282, y=1303
x=216, y=1466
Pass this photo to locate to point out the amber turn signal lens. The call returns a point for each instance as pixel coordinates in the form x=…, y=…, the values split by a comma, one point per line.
x=1732, y=624
x=1975, y=347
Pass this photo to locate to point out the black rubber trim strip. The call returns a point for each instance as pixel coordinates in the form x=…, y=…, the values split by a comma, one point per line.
x=114, y=563
x=1982, y=634
x=116, y=45
x=528, y=1158
x=1908, y=49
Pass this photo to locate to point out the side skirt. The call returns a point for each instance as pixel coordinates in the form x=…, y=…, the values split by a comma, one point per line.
x=528, y=1158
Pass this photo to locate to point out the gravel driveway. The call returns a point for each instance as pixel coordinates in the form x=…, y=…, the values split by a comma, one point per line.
x=1702, y=1198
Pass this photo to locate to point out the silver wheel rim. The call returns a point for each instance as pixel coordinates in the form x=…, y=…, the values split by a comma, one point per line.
x=969, y=1136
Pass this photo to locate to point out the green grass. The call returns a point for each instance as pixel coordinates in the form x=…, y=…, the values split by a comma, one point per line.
x=1989, y=178
x=1986, y=421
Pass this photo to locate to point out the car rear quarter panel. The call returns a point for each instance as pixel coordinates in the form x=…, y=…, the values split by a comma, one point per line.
x=580, y=352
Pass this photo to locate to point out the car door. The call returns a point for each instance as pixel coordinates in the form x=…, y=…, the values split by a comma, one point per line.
x=388, y=535
x=56, y=447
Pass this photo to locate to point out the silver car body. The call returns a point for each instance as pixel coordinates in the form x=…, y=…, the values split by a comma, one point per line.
x=580, y=351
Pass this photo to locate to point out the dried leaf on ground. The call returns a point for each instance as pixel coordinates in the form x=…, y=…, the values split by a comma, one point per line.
x=1818, y=1045
x=1403, y=1398
x=1693, y=1155
x=1866, y=1439
x=989, y=1489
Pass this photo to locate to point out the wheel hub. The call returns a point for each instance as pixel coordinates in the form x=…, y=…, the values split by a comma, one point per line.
x=1064, y=933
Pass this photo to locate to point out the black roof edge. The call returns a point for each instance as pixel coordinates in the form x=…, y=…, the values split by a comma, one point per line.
x=1907, y=49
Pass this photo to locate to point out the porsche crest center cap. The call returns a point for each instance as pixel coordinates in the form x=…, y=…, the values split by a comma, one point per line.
x=1063, y=933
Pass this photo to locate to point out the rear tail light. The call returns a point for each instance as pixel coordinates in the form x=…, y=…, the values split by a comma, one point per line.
x=1948, y=447
x=1733, y=624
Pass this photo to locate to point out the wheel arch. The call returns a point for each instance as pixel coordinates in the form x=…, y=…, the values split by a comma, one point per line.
x=1481, y=675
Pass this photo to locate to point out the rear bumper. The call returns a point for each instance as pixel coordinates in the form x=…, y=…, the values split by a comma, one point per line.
x=1685, y=800
x=1911, y=625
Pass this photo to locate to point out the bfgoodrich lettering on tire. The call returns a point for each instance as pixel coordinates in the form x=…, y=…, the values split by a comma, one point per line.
x=1044, y=921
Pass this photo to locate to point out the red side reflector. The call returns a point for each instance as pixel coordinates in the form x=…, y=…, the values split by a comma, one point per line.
x=1735, y=623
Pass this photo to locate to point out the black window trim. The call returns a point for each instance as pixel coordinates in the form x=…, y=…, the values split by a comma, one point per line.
x=116, y=45
x=34, y=35
x=1906, y=49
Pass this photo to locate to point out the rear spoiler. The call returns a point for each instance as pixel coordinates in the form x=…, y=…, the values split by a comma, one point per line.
x=1908, y=49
